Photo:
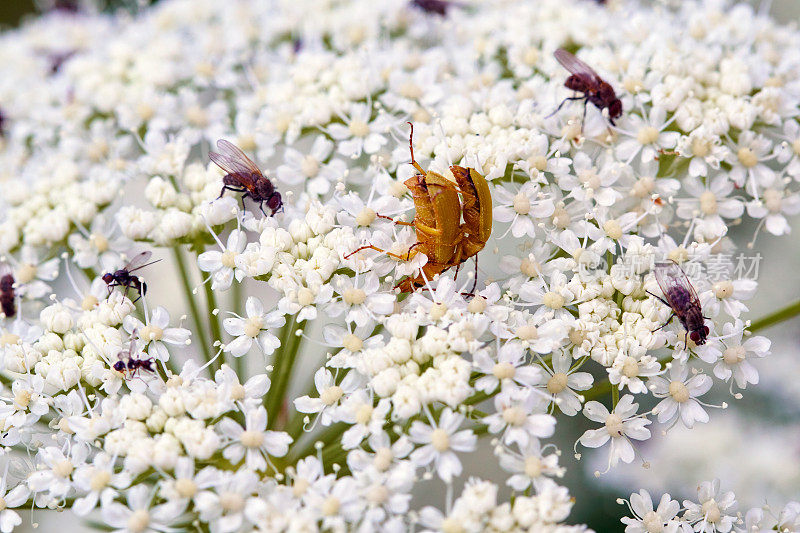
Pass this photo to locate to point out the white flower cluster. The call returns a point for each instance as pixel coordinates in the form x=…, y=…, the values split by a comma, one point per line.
x=713, y=511
x=107, y=121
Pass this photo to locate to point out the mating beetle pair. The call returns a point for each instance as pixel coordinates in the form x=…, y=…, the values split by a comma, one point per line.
x=441, y=234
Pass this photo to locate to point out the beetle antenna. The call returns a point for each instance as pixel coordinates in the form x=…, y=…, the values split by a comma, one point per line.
x=411, y=147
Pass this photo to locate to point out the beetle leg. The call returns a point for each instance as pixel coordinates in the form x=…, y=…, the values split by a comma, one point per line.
x=427, y=230
x=371, y=247
x=409, y=255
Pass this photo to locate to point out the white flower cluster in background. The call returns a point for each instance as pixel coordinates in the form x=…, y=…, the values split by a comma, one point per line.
x=298, y=388
x=713, y=510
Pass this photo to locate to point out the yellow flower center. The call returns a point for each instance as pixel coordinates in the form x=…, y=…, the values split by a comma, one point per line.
x=100, y=242
x=557, y=383
x=533, y=466
x=527, y=332
x=711, y=511
x=359, y=128
x=100, y=480
x=440, y=440
x=613, y=229
x=366, y=217
x=353, y=296
x=437, y=311
x=647, y=135
x=530, y=268
x=504, y=371
x=139, y=520
x=723, y=289
x=253, y=325
x=352, y=343
x=228, y=259
x=331, y=395
x=522, y=205
x=89, y=302
x=151, y=333
x=678, y=391
x=364, y=414
x=477, y=305
x=231, y=502
x=252, y=439
x=309, y=166
x=331, y=506
x=186, y=488
x=630, y=367
x=734, y=354
x=514, y=416
x=701, y=147
x=708, y=203
x=614, y=425
x=773, y=200
x=553, y=300
x=8, y=338
x=25, y=273
x=305, y=296
x=747, y=157
x=63, y=468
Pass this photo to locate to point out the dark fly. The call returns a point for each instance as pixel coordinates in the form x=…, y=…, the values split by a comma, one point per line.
x=124, y=278
x=242, y=175
x=680, y=295
x=129, y=364
x=439, y=7
x=7, y=296
x=585, y=80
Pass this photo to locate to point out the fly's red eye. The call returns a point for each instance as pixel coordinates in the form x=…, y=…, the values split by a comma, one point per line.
x=695, y=336
x=705, y=328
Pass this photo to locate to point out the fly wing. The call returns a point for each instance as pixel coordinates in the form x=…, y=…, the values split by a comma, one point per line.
x=132, y=345
x=232, y=160
x=138, y=261
x=575, y=65
x=669, y=276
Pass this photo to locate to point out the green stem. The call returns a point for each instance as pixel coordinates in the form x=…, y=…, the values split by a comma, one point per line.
x=282, y=370
x=213, y=320
x=790, y=311
x=199, y=331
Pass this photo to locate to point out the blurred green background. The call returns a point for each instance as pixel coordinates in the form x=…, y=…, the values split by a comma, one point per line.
x=596, y=500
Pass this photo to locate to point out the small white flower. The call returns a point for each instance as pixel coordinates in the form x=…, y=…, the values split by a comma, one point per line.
x=714, y=511
x=439, y=443
x=253, y=442
x=680, y=392
x=620, y=425
x=222, y=265
x=255, y=328
x=155, y=333
x=647, y=519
